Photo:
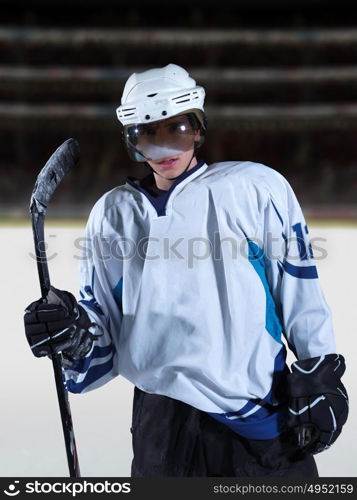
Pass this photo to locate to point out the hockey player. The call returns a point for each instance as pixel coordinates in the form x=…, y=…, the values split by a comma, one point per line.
x=193, y=280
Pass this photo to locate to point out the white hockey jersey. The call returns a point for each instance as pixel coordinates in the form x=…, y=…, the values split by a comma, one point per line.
x=196, y=289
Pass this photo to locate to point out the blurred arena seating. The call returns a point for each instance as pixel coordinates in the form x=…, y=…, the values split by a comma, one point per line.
x=280, y=81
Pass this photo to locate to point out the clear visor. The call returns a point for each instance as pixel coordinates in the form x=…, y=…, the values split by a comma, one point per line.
x=163, y=138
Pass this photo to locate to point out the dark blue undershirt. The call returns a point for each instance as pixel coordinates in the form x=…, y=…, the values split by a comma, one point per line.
x=159, y=197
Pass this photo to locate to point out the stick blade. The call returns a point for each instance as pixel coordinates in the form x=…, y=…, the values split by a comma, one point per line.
x=62, y=161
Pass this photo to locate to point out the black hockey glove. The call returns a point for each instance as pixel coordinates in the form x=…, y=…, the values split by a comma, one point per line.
x=59, y=324
x=318, y=404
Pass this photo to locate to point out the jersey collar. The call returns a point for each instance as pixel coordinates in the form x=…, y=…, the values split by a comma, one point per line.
x=161, y=202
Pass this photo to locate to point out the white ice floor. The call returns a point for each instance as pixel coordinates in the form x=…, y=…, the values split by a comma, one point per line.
x=31, y=442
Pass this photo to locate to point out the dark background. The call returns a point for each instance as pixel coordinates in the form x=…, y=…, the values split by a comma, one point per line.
x=280, y=80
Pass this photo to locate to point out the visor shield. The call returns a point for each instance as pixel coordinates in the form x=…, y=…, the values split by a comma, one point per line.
x=162, y=138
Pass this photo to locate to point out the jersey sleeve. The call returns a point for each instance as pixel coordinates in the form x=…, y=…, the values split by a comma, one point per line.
x=98, y=299
x=292, y=274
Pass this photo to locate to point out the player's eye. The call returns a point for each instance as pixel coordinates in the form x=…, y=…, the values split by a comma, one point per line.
x=177, y=127
x=147, y=130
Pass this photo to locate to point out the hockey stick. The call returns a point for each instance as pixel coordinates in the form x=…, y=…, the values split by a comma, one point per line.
x=60, y=163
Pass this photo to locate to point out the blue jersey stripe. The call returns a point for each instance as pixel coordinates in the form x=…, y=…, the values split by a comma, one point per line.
x=82, y=365
x=269, y=427
x=272, y=321
x=118, y=294
x=277, y=212
x=306, y=272
x=91, y=304
x=268, y=421
x=94, y=373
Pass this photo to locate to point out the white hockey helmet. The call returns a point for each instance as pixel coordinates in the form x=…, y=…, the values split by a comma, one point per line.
x=156, y=95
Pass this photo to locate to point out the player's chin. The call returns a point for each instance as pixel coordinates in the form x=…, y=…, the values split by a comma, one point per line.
x=169, y=173
x=170, y=167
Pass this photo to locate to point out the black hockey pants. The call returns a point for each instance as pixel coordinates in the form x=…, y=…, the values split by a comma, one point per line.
x=171, y=438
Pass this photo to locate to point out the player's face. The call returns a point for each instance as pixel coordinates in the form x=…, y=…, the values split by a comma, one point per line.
x=172, y=134
x=172, y=166
x=167, y=145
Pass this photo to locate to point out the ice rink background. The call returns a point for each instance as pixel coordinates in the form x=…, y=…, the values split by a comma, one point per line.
x=30, y=428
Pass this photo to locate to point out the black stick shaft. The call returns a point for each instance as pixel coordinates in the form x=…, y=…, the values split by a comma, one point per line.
x=38, y=225
x=38, y=221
